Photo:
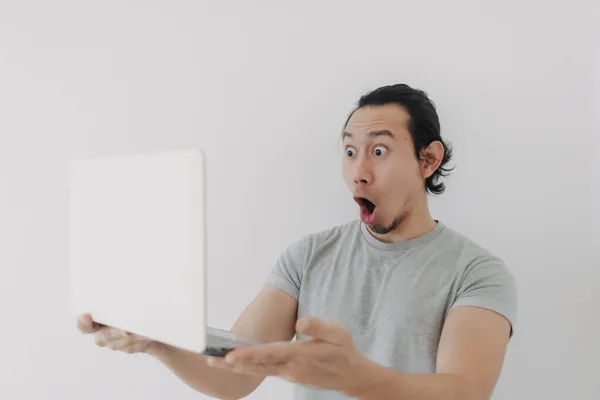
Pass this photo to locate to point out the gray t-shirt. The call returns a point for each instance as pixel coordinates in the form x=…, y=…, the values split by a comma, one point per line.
x=392, y=297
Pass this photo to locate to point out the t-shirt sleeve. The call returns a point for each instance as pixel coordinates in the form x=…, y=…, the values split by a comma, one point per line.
x=288, y=270
x=490, y=285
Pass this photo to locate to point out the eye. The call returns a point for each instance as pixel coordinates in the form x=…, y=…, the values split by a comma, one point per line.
x=379, y=150
x=350, y=151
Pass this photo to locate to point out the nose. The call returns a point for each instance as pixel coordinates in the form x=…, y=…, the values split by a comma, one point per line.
x=363, y=174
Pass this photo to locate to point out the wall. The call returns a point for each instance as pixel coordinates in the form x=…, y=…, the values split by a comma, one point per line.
x=596, y=177
x=264, y=89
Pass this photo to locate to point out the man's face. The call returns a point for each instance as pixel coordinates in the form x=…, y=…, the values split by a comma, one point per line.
x=380, y=167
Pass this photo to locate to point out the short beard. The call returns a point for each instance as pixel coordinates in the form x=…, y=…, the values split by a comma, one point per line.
x=384, y=230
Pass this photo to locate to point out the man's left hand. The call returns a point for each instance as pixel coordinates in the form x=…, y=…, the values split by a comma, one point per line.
x=328, y=360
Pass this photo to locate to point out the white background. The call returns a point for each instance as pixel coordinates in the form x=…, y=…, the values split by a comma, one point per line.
x=264, y=89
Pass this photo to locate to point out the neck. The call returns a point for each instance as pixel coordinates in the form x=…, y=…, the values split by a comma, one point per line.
x=417, y=222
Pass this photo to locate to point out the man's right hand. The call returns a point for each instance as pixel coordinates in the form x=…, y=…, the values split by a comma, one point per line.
x=112, y=338
x=270, y=317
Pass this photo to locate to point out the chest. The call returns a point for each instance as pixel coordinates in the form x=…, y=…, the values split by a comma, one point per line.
x=380, y=300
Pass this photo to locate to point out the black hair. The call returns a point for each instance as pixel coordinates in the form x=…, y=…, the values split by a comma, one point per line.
x=424, y=124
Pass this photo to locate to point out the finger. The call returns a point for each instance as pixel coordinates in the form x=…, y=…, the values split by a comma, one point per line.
x=248, y=368
x=260, y=369
x=218, y=362
x=119, y=344
x=272, y=353
x=107, y=334
x=85, y=324
x=329, y=332
x=126, y=344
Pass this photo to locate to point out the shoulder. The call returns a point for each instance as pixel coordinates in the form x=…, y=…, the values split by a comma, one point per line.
x=331, y=237
x=476, y=264
x=484, y=279
x=326, y=238
x=315, y=243
x=466, y=251
x=473, y=262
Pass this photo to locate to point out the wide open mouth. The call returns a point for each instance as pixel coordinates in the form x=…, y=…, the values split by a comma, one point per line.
x=366, y=204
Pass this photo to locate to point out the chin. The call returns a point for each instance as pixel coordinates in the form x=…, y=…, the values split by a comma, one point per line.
x=382, y=229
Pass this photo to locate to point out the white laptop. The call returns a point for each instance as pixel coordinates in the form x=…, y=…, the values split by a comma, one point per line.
x=138, y=248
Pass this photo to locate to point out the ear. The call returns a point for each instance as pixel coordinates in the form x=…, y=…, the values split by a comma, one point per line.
x=431, y=158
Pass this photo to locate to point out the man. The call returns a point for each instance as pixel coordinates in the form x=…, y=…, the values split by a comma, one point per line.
x=394, y=305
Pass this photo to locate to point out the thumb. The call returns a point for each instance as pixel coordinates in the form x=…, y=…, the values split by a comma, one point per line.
x=85, y=324
x=329, y=332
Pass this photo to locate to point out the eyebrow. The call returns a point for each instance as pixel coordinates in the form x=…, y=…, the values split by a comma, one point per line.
x=370, y=134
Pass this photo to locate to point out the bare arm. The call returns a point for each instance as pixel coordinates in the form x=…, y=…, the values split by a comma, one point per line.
x=271, y=316
x=469, y=361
